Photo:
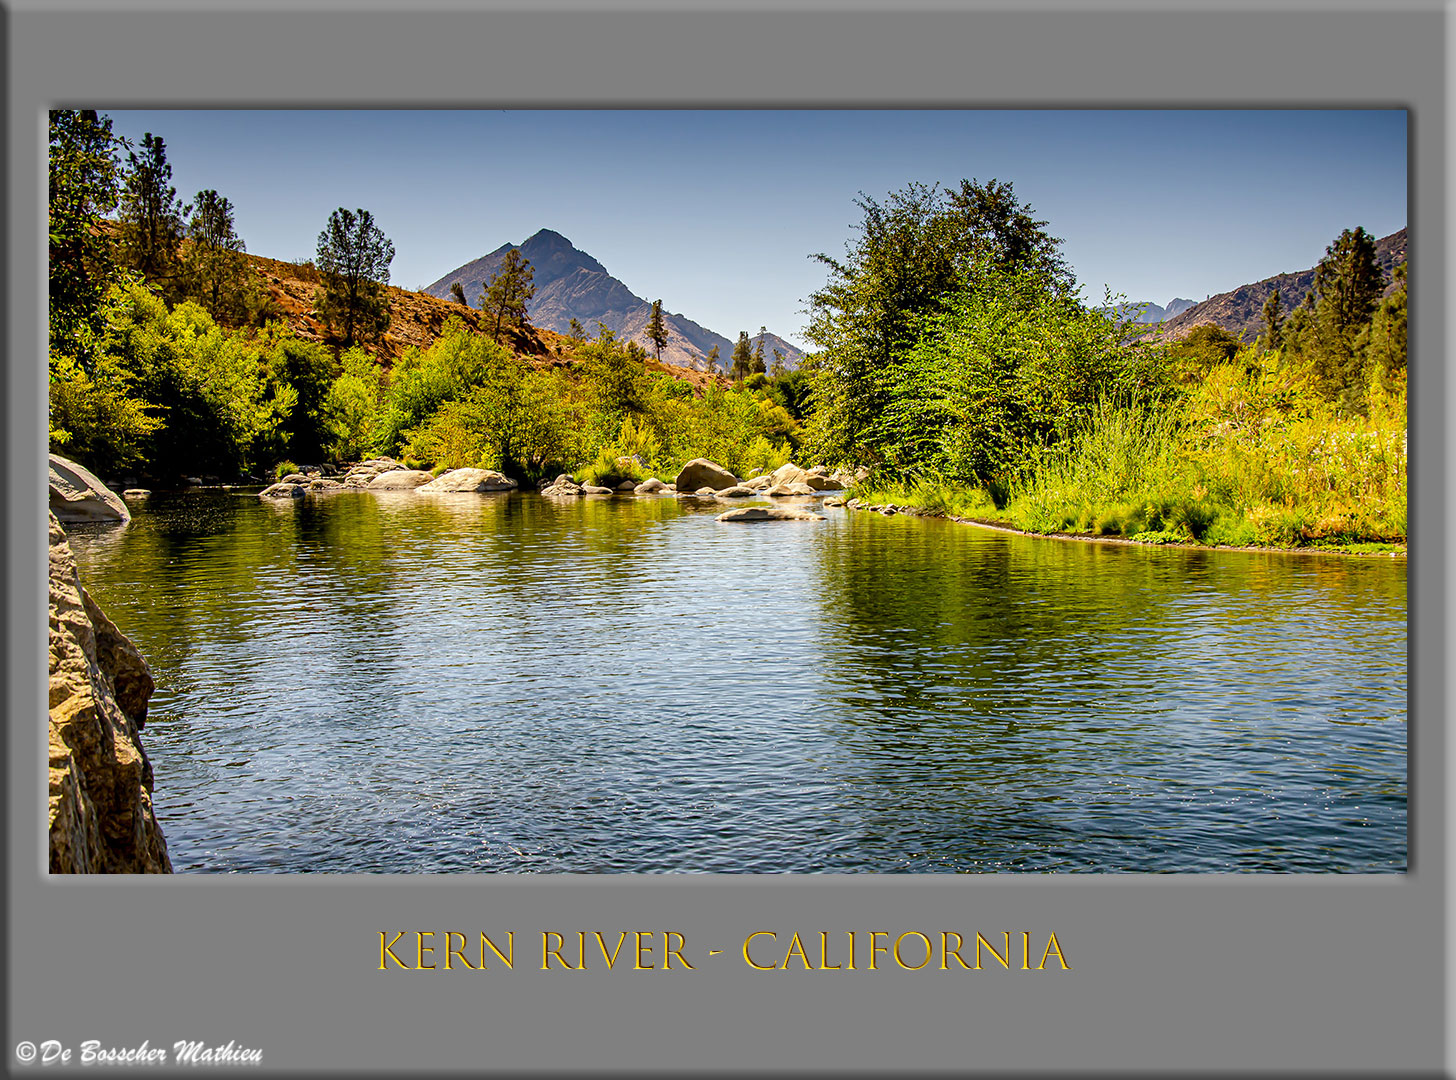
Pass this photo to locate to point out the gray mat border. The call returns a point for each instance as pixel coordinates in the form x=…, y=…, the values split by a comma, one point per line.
x=1275, y=974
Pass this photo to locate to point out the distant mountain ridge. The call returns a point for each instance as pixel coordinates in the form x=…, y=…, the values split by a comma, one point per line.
x=1240, y=310
x=572, y=284
x=1148, y=312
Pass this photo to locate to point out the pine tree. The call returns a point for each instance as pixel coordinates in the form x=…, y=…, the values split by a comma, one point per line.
x=1347, y=285
x=742, y=357
x=151, y=216
x=507, y=293
x=1273, y=321
x=712, y=362
x=354, y=257
x=213, y=269
x=576, y=331
x=657, y=329
x=757, y=366
x=457, y=293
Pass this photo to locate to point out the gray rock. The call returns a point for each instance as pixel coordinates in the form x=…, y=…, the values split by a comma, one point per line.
x=468, y=480
x=282, y=491
x=650, y=486
x=627, y=485
x=700, y=473
x=708, y=491
x=794, y=488
x=78, y=496
x=758, y=483
x=562, y=487
x=400, y=480
x=595, y=489
x=738, y=491
x=769, y=513
x=136, y=493
x=834, y=500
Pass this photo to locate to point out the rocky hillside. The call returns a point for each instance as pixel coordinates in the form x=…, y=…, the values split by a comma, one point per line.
x=571, y=284
x=101, y=818
x=1241, y=310
x=416, y=318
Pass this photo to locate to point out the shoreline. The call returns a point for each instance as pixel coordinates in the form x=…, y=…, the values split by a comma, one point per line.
x=996, y=526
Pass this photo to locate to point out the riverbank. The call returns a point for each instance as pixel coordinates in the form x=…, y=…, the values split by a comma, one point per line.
x=938, y=502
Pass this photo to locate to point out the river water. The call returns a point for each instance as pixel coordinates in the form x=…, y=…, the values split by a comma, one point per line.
x=401, y=683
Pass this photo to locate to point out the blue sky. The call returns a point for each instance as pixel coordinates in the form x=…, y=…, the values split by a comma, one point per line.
x=717, y=212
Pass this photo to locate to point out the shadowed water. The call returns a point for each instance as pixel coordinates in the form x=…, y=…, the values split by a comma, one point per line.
x=405, y=683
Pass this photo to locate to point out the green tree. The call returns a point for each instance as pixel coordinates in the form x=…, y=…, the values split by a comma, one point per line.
x=713, y=360
x=353, y=259
x=214, y=272
x=757, y=366
x=84, y=186
x=922, y=245
x=657, y=329
x=575, y=331
x=311, y=371
x=742, y=357
x=1007, y=368
x=1384, y=342
x=1347, y=285
x=507, y=293
x=1273, y=321
x=613, y=377
x=457, y=293
x=151, y=215
x=352, y=407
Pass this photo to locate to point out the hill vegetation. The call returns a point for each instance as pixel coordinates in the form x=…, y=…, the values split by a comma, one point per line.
x=955, y=362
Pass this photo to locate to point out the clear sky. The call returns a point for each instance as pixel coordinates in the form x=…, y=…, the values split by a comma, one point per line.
x=717, y=212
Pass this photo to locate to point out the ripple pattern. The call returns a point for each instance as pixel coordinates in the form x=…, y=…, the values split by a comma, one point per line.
x=502, y=683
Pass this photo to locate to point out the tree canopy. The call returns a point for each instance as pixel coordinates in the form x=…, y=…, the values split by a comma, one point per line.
x=508, y=292
x=353, y=258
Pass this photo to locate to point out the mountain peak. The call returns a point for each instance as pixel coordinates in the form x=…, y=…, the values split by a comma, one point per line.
x=570, y=284
x=547, y=238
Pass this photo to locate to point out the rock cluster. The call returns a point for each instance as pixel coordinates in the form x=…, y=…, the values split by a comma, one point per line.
x=101, y=817
x=699, y=478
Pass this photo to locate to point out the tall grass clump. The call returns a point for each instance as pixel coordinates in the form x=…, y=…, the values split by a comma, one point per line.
x=1120, y=471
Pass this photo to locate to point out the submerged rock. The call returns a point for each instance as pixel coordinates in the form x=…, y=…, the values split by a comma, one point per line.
x=650, y=486
x=78, y=496
x=738, y=491
x=769, y=513
x=469, y=480
x=701, y=473
x=595, y=489
x=282, y=491
x=100, y=787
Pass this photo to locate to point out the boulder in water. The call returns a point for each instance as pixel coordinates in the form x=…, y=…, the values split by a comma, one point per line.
x=77, y=496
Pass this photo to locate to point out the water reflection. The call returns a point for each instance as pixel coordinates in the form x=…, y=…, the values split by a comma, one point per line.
x=502, y=682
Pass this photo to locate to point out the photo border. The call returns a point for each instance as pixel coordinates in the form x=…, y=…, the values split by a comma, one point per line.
x=1220, y=973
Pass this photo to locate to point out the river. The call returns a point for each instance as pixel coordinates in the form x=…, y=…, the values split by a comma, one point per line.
x=400, y=683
